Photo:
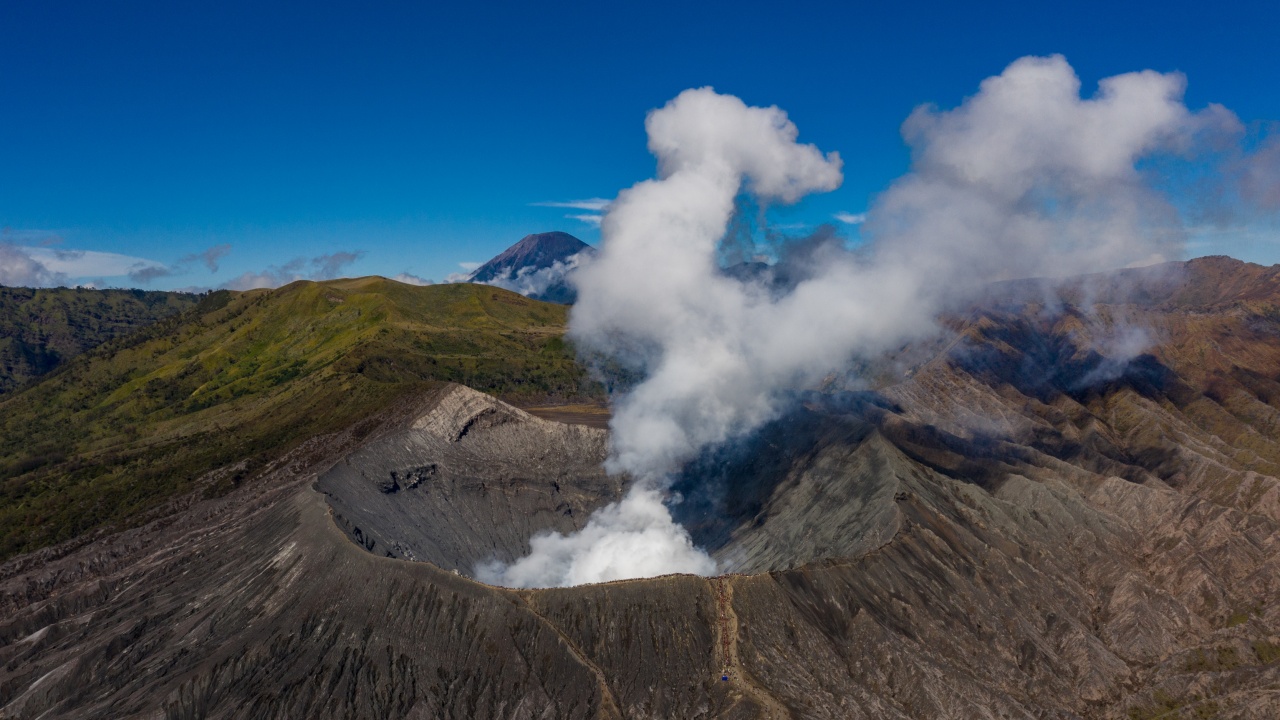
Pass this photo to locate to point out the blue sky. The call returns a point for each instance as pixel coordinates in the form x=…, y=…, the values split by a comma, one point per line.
x=417, y=136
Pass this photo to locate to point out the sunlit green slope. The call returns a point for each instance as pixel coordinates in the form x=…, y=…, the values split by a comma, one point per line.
x=244, y=377
x=41, y=328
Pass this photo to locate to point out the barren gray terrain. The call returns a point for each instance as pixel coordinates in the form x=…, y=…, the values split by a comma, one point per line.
x=994, y=530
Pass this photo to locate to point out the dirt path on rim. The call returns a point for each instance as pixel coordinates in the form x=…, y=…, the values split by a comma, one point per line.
x=727, y=654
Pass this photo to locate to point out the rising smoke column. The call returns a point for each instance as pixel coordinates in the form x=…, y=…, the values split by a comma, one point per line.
x=660, y=240
x=1025, y=178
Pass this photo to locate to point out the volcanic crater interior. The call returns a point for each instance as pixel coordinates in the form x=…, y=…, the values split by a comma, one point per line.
x=472, y=479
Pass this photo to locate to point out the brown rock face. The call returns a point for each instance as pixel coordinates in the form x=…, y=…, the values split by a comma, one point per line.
x=1036, y=516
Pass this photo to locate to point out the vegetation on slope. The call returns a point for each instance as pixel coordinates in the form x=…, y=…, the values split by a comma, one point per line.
x=42, y=328
x=244, y=377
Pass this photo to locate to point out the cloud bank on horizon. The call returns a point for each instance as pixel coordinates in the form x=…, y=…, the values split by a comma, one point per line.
x=48, y=264
x=26, y=266
x=1025, y=178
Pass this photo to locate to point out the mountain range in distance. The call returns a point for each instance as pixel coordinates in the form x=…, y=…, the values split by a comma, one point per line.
x=270, y=504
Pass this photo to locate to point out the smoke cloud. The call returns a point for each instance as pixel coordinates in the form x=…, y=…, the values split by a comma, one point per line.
x=1025, y=178
x=1028, y=179
x=634, y=537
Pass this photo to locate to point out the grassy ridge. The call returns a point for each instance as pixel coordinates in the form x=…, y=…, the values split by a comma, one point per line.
x=244, y=377
x=42, y=328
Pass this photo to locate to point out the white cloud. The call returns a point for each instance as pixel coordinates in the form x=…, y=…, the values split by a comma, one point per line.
x=409, y=279
x=594, y=204
x=320, y=267
x=85, y=263
x=272, y=277
x=529, y=281
x=592, y=220
x=19, y=269
x=462, y=277
x=1027, y=178
x=48, y=265
x=849, y=218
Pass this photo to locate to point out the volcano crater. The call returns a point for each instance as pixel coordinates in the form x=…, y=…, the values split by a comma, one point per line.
x=471, y=480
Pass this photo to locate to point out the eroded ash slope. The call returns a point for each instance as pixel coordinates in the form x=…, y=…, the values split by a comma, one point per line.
x=469, y=482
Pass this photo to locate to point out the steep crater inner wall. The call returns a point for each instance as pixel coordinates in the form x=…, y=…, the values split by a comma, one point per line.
x=470, y=480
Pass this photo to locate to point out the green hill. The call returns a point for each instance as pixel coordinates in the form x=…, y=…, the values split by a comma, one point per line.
x=241, y=378
x=42, y=328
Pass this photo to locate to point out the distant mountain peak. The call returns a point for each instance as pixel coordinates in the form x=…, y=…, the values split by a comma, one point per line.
x=536, y=267
x=537, y=251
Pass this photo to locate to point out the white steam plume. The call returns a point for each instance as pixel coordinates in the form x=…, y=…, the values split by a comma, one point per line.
x=1025, y=178
x=634, y=537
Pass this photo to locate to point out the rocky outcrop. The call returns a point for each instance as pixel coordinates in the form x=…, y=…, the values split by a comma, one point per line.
x=469, y=481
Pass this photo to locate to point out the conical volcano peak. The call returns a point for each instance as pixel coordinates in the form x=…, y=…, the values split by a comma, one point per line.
x=534, y=252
